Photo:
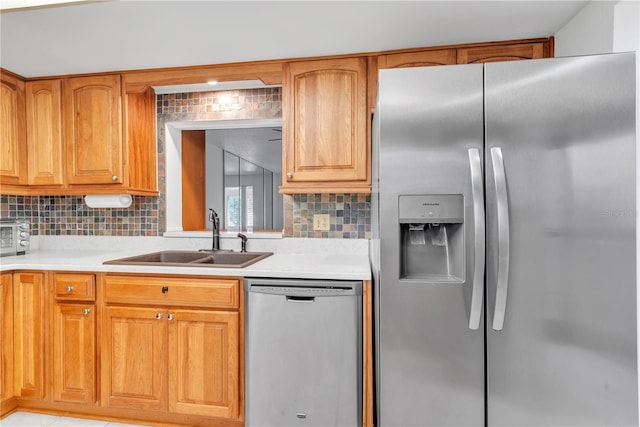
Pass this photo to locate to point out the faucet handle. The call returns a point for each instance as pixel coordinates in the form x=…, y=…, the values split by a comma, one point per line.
x=243, y=243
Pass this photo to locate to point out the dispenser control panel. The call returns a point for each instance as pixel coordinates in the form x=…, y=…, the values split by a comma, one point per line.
x=431, y=208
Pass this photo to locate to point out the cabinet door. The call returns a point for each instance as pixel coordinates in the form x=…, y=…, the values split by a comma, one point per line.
x=29, y=333
x=92, y=128
x=6, y=337
x=325, y=125
x=510, y=52
x=13, y=147
x=74, y=352
x=134, y=358
x=417, y=59
x=204, y=363
x=44, y=138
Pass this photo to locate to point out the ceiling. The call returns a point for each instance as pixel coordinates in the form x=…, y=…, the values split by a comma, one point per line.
x=87, y=37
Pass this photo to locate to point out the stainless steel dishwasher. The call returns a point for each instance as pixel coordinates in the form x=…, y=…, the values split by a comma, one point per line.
x=303, y=353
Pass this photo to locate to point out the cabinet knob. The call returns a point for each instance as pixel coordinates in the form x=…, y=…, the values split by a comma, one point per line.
x=69, y=289
x=289, y=175
x=165, y=289
x=170, y=317
x=86, y=311
x=114, y=178
x=159, y=316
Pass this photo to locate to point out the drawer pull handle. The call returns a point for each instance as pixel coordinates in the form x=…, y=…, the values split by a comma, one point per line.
x=69, y=289
x=165, y=289
x=170, y=317
x=86, y=311
x=158, y=316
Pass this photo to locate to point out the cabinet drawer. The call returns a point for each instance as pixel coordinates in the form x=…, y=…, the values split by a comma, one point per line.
x=75, y=286
x=210, y=292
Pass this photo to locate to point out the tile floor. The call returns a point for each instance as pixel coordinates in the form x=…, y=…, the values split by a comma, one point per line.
x=28, y=419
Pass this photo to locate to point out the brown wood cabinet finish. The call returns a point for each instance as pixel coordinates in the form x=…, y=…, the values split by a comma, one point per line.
x=44, y=132
x=29, y=308
x=74, y=352
x=325, y=126
x=6, y=338
x=134, y=358
x=203, y=363
x=92, y=122
x=140, y=126
x=74, y=286
x=172, y=344
x=507, y=52
x=423, y=58
x=13, y=147
x=73, y=341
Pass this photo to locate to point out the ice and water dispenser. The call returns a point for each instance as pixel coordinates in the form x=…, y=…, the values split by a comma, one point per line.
x=431, y=237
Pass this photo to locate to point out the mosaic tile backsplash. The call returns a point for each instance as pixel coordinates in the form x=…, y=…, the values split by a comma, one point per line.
x=68, y=215
x=350, y=214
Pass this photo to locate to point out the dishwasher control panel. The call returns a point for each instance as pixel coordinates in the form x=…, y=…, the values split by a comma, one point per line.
x=312, y=291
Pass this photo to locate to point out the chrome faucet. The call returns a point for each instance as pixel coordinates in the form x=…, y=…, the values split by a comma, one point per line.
x=215, y=221
x=243, y=243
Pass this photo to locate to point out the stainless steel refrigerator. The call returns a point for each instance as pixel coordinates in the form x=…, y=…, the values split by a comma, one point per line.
x=504, y=244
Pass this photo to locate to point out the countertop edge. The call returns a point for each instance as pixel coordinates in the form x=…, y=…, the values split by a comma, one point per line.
x=298, y=266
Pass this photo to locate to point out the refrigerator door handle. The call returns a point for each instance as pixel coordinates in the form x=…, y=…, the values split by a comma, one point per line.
x=502, y=205
x=477, y=195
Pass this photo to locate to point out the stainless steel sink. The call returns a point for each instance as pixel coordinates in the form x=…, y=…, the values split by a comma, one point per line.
x=194, y=259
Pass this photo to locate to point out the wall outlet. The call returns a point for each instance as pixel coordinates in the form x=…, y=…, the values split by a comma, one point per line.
x=321, y=222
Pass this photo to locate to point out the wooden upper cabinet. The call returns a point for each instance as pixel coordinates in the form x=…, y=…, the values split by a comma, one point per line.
x=325, y=127
x=93, y=131
x=140, y=134
x=13, y=144
x=44, y=132
x=423, y=58
x=503, y=52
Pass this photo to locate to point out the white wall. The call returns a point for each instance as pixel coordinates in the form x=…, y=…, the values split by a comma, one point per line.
x=589, y=32
x=626, y=26
x=600, y=27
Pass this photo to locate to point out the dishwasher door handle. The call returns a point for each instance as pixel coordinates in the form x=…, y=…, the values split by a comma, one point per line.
x=300, y=299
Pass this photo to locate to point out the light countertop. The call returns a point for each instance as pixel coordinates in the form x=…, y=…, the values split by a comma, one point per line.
x=327, y=265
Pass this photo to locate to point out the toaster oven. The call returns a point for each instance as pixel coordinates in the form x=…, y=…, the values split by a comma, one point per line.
x=14, y=236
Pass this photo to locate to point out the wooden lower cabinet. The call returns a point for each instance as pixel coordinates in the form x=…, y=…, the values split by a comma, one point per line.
x=203, y=363
x=6, y=339
x=29, y=309
x=184, y=361
x=134, y=358
x=74, y=353
x=167, y=356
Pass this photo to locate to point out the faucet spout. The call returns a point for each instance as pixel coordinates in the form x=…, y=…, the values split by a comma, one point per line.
x=215, y=221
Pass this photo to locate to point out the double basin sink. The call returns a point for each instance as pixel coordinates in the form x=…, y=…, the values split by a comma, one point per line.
x=194, y=259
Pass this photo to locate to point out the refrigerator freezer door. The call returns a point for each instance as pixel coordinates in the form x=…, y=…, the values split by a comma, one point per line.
x=429, y=363
x=566, y=355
